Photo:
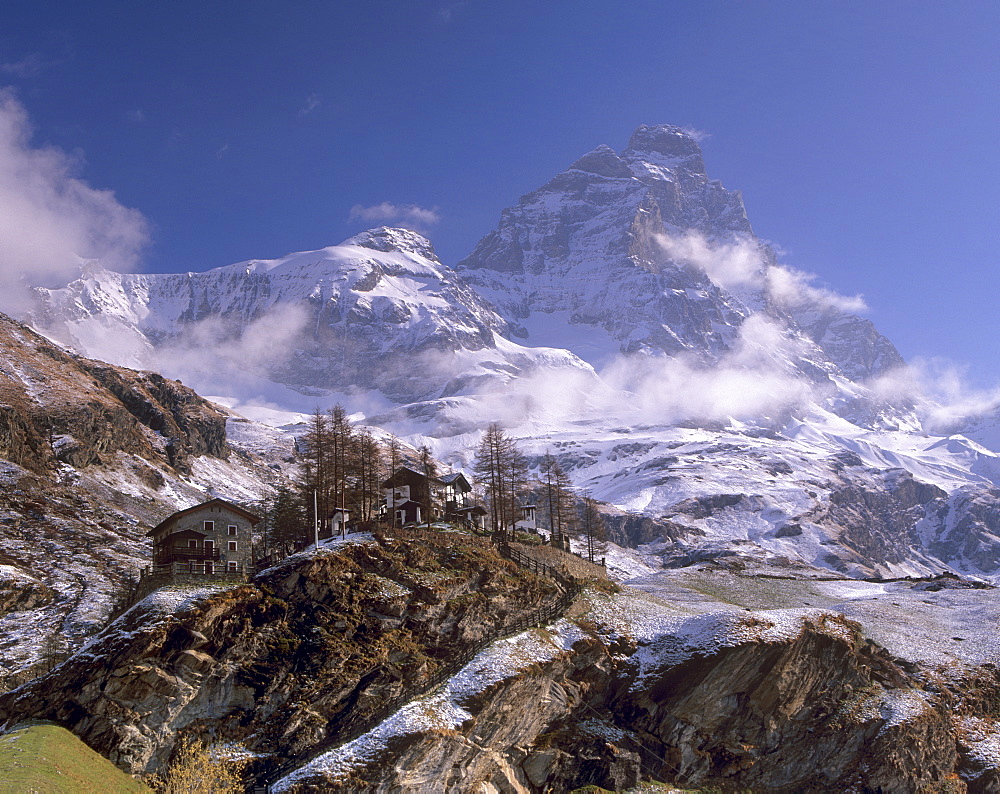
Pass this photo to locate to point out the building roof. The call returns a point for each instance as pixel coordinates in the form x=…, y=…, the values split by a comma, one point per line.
x=457, y=478
x=252, y=518
x=444, y=479
x=478, y=510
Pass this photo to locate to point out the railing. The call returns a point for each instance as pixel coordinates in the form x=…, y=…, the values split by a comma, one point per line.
x=164, y=556
x=541, y=616
x=562, y=576
x=191, y=569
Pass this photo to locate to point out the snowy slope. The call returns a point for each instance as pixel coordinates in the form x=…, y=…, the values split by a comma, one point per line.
x=645, y=247
x=623, y=316
x=378, y=312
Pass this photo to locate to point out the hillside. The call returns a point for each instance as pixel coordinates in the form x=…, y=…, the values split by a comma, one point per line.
x=305, y=651
x=93, y=455
x=705, y=678
x=42, y=757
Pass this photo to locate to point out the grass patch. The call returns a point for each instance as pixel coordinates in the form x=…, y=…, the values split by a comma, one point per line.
x=46, y=757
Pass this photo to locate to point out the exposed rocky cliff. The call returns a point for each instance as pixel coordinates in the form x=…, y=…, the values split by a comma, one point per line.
x=640, y=689
x=606, y=244
x=308, y=649
x=57, y=407
x=632, y=687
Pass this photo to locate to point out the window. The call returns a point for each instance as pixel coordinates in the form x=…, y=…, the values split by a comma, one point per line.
x=233, y=566
x=209, y=545
x=233, y=529
x=232, y=545
x=210, y=526
x=192, y=544
x=209, y=568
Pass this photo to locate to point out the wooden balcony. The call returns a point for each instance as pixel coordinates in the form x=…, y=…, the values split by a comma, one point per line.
x=169, y=554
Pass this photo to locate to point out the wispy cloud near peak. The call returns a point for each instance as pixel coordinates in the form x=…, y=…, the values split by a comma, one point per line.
x=405, y=214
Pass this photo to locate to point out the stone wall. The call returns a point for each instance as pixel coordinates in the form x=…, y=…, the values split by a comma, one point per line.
x=151, y=582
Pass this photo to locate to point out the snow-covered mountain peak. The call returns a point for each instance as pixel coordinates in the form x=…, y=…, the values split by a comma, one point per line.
x=388, y=239
x=603, y=161
x=661, y=352
x=665, y=141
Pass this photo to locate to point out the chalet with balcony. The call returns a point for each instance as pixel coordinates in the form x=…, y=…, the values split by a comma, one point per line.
x=211, y=538
x=406, y=497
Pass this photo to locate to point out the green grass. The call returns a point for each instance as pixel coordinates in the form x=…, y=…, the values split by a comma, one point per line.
x=41, y=757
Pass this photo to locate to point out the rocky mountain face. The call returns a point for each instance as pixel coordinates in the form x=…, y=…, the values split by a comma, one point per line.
x=623, y=317
x=699, y=685
x=308, y=649
x=61, y=408
x=93, y=455
x=379, y=311
x=597, y=244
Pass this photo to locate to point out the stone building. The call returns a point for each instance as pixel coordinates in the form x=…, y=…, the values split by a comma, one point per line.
x=211, y=538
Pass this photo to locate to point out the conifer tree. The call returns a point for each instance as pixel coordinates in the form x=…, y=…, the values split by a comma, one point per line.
x=550, y=473
x=341, y=453
x=429, y=469
x=314, y=454
x=515, y=480
x=488, y=468
x=502, y=470
x=369, y=471
x=394, y=454
x=592, y=523
x=288, y=522
x=565, y=504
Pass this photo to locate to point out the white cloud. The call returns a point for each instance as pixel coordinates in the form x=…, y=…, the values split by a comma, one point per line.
x=791, y=288
x=222, y=151
x=698, y=135
x=740, y=264
x=49, y=218
x=446, y=11
x=136, y=116
x=730, y=265
x=30, y=65
x=215, y=357
x=940, y=391
x=410, y=215
x=312, y=102
x=755, y=380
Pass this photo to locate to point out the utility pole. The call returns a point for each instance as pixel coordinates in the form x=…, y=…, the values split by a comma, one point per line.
x=316, y=520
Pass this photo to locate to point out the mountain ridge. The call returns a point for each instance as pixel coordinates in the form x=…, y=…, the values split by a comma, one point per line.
x=625, y=316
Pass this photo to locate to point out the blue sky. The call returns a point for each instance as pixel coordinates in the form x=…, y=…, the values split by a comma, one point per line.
x=863, y=135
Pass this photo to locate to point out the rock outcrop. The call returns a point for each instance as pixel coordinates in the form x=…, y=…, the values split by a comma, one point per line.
x=308, y=649
x=630, y=689
x=812, y=706
x=91, y=456
x=57, y=407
